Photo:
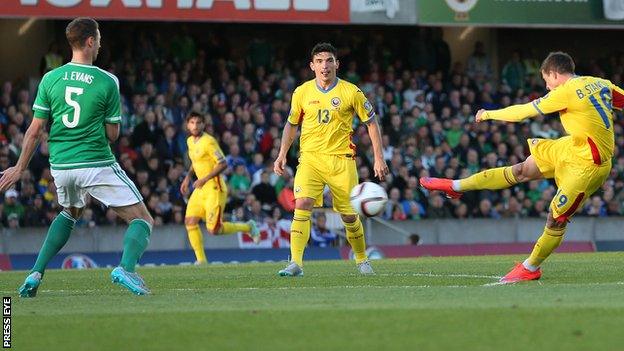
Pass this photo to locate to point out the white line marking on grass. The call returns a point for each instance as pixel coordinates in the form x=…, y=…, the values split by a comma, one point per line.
x=476, y=276
x=329, y=287
x=496, y=283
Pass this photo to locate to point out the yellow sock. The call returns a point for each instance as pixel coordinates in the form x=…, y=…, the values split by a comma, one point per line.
x=545, y=245
x=196, y=239
x=355, y=237
x=490, y=179
x=234, y=227
x=299, y=235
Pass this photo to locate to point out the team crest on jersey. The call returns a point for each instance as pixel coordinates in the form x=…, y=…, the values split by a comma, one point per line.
x=335, y=101
x=368, y=106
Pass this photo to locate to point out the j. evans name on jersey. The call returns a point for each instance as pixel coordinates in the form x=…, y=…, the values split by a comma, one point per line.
x=79, y=76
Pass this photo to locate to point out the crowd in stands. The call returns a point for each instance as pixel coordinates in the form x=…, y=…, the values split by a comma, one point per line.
x=425, y=103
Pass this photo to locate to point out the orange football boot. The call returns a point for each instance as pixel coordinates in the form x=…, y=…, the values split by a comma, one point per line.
x=520, y=274
x=440, y=184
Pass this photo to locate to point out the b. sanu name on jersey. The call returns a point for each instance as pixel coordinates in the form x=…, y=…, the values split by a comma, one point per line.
x=79, y=76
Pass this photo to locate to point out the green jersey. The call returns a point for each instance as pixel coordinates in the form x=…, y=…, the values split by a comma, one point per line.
x=79, y=99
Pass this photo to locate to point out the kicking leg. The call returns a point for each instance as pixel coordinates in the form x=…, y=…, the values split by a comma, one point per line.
x=490, y=179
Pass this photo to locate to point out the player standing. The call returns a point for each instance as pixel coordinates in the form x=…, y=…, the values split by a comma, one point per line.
x=324, y=107
x=579, y=162
x=83, y=103
x=210, y=191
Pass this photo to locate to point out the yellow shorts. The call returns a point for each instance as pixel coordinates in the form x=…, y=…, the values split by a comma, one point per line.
x=576, y=179
x=315, y=171
x=207, y=203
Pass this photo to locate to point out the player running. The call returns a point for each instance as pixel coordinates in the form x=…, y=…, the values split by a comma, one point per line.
x=83, y=103
x=324, y=107
x=579, y=162
x=210, y=192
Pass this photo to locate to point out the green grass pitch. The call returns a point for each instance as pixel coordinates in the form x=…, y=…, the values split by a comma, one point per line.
x=411, y=304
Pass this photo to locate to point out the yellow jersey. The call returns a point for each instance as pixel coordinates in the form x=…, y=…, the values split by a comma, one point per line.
x=585, y=105
x=205, y=155
x=326, y=116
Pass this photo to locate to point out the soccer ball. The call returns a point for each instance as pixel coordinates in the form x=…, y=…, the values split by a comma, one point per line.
x=368, y=199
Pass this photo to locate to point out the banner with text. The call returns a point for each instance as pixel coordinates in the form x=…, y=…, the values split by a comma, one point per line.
x=556, y=13
x=274, y=11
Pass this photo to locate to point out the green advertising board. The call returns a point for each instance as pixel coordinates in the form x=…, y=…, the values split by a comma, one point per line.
x=538, y=13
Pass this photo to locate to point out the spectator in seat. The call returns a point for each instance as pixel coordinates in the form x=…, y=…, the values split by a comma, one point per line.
x=320, y=235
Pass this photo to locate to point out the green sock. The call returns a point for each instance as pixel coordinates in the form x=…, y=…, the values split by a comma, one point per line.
x=135, y=242
x=57, y=236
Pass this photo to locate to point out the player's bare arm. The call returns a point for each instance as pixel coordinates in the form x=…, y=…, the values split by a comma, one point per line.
x=288, y=137
x=219, y=168
x=112, y=131
x=184, y=187
x=380, y=167
x=29, y=145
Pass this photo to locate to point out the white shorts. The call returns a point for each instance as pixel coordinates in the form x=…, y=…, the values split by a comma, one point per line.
x=110, y=185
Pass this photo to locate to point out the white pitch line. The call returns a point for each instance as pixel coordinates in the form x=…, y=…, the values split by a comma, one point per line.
x=328, y=287
x=354, y=287
x=496, y=283
x=476, y=276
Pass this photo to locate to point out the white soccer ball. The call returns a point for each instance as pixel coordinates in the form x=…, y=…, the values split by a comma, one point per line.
x=368, y=199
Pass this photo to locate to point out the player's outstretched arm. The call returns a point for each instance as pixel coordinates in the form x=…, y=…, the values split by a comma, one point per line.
x=288, y=137
x=29, y=145
x=556, y=100
x=374, y=131
x=515, y=113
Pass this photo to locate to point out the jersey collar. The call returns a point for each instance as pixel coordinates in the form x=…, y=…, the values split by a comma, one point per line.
x=80, y=65
x=325, y=91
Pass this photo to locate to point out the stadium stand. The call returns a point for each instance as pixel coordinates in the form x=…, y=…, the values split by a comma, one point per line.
x=426, y=103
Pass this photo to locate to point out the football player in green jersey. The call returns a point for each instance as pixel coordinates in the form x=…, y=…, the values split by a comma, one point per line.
x=83, y=104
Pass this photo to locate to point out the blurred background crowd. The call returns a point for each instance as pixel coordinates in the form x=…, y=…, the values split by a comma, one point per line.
x=425, y=102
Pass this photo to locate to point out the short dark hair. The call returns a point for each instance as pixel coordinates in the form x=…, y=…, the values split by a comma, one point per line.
x=323, y=47
x=559, y=62
x=194, y=114
x=79, y=30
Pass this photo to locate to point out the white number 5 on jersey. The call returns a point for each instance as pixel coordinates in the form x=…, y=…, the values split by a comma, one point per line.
x=68, y=99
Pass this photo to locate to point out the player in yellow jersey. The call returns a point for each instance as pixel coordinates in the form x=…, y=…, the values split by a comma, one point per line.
x=210, y=192
x=579, y=162
x=324, y=108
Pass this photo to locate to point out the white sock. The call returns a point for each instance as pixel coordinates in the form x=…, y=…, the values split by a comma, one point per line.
x=456, y=185
x=529, y=266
